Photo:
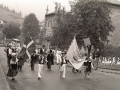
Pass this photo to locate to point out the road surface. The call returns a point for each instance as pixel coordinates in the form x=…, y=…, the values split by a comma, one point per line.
x=28, y=80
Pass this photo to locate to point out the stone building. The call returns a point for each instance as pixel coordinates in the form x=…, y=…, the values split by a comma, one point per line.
x=50, y=24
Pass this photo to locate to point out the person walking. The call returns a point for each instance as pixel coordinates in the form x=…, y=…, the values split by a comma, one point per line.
x=41, y=62
x=63, y=65
x=13, y=70
x=58, y=56
x=8, y=54
x=97, y=56
x=33, y=59
x=88, y=66
x=50, y=60
x=20, y=62
x=42, y=50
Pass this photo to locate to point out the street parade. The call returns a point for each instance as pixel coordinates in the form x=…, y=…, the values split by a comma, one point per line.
x=60, y=45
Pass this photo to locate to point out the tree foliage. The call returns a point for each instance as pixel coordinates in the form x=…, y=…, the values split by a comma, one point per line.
x=31, y=25
x=11, y=30
x=87, y=19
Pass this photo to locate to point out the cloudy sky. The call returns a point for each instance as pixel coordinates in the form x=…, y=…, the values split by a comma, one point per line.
x=34, y=6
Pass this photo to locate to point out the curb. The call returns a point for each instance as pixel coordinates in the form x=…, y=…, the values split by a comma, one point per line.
x=3, y=83
x=104, y=70
x=110, y=72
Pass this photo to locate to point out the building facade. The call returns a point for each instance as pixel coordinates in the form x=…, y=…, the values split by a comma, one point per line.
x=49, y=25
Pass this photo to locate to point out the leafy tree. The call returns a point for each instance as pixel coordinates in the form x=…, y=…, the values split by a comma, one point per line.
x=87, y=19
x=31, y=25
x=11, y=31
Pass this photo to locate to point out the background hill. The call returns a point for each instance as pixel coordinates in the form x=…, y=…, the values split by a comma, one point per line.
x=8, y=17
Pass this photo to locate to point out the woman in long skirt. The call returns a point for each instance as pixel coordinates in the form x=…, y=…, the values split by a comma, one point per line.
x=13, y=67
x=88, y=67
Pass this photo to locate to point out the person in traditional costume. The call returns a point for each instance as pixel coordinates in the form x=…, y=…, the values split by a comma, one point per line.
x=58, y=56
x=88, y=67
x=63, y=64
x=13, y=67
x=50, y=60
x=41, y=62
x=33, y=60
x=42, y=50
x=8, y=54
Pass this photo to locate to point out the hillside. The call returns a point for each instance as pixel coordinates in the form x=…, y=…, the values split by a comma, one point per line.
x=6, y=16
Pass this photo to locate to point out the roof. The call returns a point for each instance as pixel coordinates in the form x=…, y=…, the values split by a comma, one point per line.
x=49, y=14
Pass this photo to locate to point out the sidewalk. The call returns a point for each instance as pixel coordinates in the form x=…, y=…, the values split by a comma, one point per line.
x=3, y=81
x=108, y=71
x=103, y=70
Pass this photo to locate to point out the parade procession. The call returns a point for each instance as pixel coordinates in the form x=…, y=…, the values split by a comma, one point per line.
x=17, y=55
x=60, y=45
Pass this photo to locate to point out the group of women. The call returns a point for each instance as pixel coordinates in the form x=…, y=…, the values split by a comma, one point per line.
x=14, y=61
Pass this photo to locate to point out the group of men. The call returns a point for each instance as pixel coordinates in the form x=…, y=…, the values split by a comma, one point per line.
x=41, y=57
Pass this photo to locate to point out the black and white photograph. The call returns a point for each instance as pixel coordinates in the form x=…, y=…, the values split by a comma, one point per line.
x=59, y=44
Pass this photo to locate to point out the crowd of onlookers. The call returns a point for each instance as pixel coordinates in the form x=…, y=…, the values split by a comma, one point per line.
x=109, y=60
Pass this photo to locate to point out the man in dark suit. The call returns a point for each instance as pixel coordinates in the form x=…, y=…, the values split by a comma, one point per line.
x=50, y=60
x=33, y=59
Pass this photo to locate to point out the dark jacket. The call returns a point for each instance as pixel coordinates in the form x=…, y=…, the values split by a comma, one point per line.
x=50, y=59
x=41, y=51
x=41, y=59
x=33, y=58
x=64, y=62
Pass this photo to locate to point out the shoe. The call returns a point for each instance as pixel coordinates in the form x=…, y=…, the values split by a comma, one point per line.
x=39, y=78
x=63, y=77
x=60, y=76
x=88, y=77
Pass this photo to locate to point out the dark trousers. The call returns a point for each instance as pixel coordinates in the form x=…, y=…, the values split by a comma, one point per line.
x=19, y=67
x=32, y=65
x=49, y=65
x=8, y=60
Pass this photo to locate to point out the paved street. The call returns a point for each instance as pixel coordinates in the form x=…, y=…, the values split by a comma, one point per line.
x=27, y=79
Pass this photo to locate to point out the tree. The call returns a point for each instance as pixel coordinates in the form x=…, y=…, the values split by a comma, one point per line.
x=11, y=31
x=87, y=19
x=31, y=25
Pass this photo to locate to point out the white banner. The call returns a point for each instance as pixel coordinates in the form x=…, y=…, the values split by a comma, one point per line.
x=74, y=55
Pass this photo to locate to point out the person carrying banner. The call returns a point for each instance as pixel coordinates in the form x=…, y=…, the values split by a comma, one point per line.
x=41, y=62
x=13, y=70
x=63, y=65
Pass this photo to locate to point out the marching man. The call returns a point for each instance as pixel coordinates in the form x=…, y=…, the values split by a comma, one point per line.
x=63, y=65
